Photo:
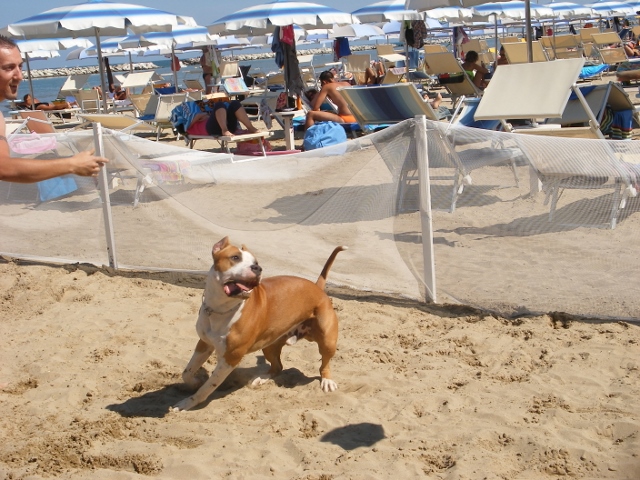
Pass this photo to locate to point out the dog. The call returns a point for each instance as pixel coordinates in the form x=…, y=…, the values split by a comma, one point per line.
x=242, y=313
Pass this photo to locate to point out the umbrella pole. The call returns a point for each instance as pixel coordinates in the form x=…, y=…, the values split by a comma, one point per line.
x=527, y=16
x=105, y=90
x=33, y=98
x=130, y=63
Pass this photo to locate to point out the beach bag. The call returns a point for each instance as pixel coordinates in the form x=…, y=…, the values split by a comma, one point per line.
x=323, y=134
x=251, y=147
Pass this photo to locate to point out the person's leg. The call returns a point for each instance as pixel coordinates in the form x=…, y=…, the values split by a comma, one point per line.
x=435, y=103
x=369, y=76
x=217, y=123
x=478, y=80
x=238, y=113
x=321, y=116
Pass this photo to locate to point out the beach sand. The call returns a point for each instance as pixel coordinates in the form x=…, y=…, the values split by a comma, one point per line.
x=91, y=362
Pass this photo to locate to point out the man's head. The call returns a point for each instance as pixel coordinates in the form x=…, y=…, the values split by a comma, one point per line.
x=311, y=94
x=471, y=57
x=325, y=77
x=10, y=69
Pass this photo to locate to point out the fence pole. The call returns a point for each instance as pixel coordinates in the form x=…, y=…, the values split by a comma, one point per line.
x=103, y=185
x=425, y=207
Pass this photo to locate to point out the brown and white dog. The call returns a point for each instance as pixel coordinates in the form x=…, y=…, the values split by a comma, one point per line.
x=241, y=313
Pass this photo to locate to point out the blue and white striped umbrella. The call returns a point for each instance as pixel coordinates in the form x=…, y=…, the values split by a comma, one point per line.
x=263, y=18
x=95, y=18
x=571, y=10
x=515, y=10
x=109, y=18
x=609, y=9
x=385, y=11
x=449, y=14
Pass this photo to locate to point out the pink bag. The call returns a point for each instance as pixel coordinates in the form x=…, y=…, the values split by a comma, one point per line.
x=251, y=147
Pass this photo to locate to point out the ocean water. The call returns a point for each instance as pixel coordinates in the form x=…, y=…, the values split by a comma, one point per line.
x=46, y=89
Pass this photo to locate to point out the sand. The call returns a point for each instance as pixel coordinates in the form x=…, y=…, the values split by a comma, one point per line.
x=90, y=364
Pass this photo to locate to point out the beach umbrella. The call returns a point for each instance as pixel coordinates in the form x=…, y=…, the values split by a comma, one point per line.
x=571, y=10
x=385, y=11
x=611, y=9
x=514, y=10
x=263, y=18
x=179, y=35
x=94, y=19
x=37, y=49
x=449, y=14
x=357, y=30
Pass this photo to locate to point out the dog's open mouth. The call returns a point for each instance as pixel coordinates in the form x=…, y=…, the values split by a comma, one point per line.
x=233, y=289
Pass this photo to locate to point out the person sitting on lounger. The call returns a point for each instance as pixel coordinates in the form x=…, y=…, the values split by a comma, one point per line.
x=374, y=74
x=632, y=48
x=476, y=70
x=329, y=90
x=223, y=121
x=502, y=57
x=43, y=105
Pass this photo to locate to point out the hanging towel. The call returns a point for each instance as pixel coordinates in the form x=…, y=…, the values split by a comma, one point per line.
x=276, y=47
x=341, y=48
x=419, y=33
x=622, y=125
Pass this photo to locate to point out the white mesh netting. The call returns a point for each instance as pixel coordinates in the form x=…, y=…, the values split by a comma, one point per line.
x=496, y=246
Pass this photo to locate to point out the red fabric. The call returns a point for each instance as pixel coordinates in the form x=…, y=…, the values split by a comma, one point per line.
x=198, y=128
x=175, y=64
x=286, y=35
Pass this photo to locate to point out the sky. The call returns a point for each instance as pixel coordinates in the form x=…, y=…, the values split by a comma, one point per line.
x=204, y=12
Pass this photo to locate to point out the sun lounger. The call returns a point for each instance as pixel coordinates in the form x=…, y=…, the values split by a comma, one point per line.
x=386, y=104
x=114, y=121
x=225, y=140
x=517, y=52
x=535, y=91
x=445, y=63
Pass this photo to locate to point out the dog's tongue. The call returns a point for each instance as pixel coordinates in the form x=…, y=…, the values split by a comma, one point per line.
x=234, y=288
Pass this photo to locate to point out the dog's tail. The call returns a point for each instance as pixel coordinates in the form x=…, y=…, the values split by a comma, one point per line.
x=322, y=279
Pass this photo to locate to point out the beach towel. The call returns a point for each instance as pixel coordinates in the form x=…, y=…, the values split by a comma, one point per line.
x=323, y=134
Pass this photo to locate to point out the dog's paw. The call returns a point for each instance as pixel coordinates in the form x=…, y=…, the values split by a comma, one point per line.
x=182, y=405
x=328, y=385
x=260, y=380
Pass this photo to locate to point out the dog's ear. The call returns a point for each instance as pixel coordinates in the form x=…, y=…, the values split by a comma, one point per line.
x=220, y=245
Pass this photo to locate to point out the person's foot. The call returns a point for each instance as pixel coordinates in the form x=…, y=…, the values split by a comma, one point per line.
x=227, y=133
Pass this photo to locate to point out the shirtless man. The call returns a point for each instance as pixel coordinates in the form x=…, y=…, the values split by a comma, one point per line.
x=43, y=105
x=26, y=170
x=207, y=72
x=329, y=90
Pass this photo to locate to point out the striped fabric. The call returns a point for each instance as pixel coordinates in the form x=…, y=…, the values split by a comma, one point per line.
x=385, y=104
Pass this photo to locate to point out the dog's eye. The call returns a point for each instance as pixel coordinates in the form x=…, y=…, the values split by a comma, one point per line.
x=235, y=258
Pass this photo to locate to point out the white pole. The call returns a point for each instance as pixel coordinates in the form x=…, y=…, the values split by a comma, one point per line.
x=103, y=185
x=33, y=98
x=426, y=219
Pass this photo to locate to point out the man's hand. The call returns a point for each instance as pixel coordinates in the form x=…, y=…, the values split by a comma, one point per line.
x=86, y=164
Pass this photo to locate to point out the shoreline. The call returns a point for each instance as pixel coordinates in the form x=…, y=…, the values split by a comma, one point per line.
x=124, y=67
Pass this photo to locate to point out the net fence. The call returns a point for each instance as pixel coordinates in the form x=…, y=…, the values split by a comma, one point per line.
x=521, y=223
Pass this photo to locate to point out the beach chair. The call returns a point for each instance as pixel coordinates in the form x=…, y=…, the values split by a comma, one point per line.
x=137, y=82
x=517, y=52
x=609, y=48
x=389, y=104
x=509, y=39
x=445, y=64
x=535, y=91
x=562, y=46
x=481, y=47
x=89, y=101
x=142, y=103
x=357, y=65
x=72, y=84
x=193, y=84
x=161, y=117
x=36, y=121
x=115, y=121
x=434, y=48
